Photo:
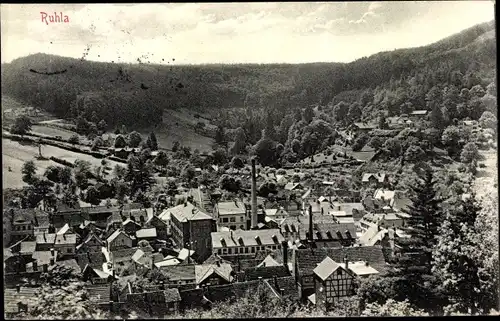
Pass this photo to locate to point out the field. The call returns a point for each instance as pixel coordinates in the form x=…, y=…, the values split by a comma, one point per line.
x=176, y=126
x=15, y=154
x=51, y=131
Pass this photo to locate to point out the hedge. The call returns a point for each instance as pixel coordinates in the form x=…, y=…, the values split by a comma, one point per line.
x=62, y=161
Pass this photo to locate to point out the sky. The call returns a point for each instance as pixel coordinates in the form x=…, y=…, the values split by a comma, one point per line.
x=267, y=32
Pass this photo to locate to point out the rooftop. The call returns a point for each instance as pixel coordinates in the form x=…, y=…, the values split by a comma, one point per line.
x=325, y=268
x=246, y=238
x=146, y=233
x=187, y=212
x=231, y=208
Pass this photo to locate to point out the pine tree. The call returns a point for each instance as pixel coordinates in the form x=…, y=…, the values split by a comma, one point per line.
x=412, y=269
x=219, y=135
x=152, y=142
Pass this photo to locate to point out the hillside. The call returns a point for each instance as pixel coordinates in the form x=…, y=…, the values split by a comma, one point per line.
x=116, y=92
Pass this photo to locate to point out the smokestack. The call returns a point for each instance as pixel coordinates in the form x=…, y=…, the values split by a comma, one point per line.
x=310, y=223
x=285, y=253
x=254, y=196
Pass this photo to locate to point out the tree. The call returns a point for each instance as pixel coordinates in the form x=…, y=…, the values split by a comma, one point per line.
x=134, y=139
x=376, y=142
x=360, y=142
x=393, y=147
x=21, y=126
x=308, y=114
x=412, y=268
x=436, y=117
x=488, y=120
x=237, y=162
x=265, y=150
x=382, y=123
x=175, y=146
x=52, y=173
x=29, y=172
x=451, y=139
x=455, y=260
x=120, y=142
x=340, y=112
x=239, y=142
x=469, y=154
x=229, y=183
x=161, y=159
x=219, y=135
x=392, y=308
x=414, y=153
x=121, y=191
x=219, y=156
x=65, y=175
x=151, y=142
x=102, y=125
x=82, y=172
x=139, y=174
x=74, y=139
x=92, y=196
x=354, y=113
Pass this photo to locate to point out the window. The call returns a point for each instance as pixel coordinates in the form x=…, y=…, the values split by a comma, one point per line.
x=219, y=251
x=69, y=251
x=224, y=220
x=252, y=249
x=24, y=228
x=241, y=227
x=242, y=219
x=232, y=219
x=229, y=251
x=224, y=251
x=233, y=227
x=246, y=249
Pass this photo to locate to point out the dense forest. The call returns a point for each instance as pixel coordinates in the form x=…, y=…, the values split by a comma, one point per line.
x=125, y=94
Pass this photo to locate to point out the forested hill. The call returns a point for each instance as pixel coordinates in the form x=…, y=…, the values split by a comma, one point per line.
x=138, y=93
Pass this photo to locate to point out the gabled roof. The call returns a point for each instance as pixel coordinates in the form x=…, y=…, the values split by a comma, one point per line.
x=71, y=263
x=187, y=211
x=203, y=271
x=419, y=112
x=146, y=233
x=269, y=261
x=230, y=208
x=293, y=186
x=67, y=239
x=95, y=259
x=307, y=259
x=266, y=272
x=179, y=272
x=130, y=221
x=325, y=268
x=184, y=253
x=65, y=229
x=384, y=194
x=115, y=234
x=167, y=262
x=380, y=177
x=47, y=238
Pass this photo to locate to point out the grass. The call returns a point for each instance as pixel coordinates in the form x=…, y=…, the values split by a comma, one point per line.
x=15, y=154
x=50, y=131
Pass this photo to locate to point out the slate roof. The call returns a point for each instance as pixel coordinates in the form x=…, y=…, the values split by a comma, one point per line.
x=167, y=262
x=123, y=254
x=364, y=125
x=188, y=212
x=95, y=259
x=179, y=272
x=307, y=259
x=269, y=261
x=25, y=215
x=322, y=230
x=115, y=234
x=267, y=272
x=12, y=297
x=246, y=238
x=287, y=284
x=230, y=208
x=47, y=238
x=67, y=239
x=28, y=247
x=100, y=293
x=71, y=263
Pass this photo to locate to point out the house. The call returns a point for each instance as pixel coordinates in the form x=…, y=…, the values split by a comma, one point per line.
x=363, y=127
x=245, y=243
x=396, y=220
x=326, y=231
x=418, y=114
x=306, y=260
x=95, y=260
x=148, y=234
x=276, y=213
x=231, y=214
x=294, y=187
x=373, y=178
x=17, y=300
x=23, y=222
x=139, y=215
x=119, y=240
x=130, y=226
x=213, y=274
x=331, y=282
x=100, y=293
x=180, y=275
x=265, y=272
x=191, y=228
x=155, y=303
x=63, y=213
x=91, y=243
x=63, y=243
x=99, y=214
x=42, y=260
x=162, y=226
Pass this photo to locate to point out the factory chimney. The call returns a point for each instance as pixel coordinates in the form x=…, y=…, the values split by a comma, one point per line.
x=254, y=196
x=311, y=238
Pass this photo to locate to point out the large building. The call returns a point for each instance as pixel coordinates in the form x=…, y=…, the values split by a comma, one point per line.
x=245, y=243
x=191, y=228
x=231, y=214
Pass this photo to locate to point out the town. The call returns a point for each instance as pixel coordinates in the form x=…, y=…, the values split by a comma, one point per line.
x=356, y=205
